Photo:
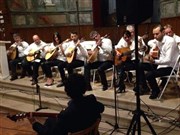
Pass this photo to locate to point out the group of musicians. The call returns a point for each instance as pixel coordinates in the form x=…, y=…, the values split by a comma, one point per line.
x=98, y=54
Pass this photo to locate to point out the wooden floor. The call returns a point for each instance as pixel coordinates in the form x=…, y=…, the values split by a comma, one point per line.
x=8, y=127
x=22, y=88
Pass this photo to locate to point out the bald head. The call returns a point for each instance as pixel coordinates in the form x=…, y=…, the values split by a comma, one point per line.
x=36, y=39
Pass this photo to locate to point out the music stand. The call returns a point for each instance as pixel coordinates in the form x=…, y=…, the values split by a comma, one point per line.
x=39, y=94
x=136, y=122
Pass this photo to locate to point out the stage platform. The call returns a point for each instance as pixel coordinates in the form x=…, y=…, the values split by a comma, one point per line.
x=21, y=96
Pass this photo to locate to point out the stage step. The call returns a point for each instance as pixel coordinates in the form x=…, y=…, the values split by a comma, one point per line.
x=27, y=101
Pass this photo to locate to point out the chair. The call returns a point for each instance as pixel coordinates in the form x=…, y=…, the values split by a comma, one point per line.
x=174, y=74
x=92, y=130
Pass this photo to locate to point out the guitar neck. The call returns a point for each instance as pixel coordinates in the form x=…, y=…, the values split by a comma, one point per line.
x=20, y=116
x=40, y=114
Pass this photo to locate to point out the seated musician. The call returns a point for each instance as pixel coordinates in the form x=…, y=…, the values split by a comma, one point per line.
x=167, y=57
x=102, y=61
x=54, y=57
x=169, y=31
x=126, y=55
x=16, y=54
x=75, y=55
x=35, y=54
x=82, y=111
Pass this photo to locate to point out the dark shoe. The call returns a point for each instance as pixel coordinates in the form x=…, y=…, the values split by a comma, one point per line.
x=13, y=78
x=154, y=95
x=105, y=87
x=34, y=82
x=60, y=84
x=121, y=88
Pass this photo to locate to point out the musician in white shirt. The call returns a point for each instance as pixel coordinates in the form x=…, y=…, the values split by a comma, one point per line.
x=103, y=60
x=169, y=31
x=128, y=41
x=75, y=54
x=18, y=48
x=35, y=54
x=55, y=57
x=167, y=58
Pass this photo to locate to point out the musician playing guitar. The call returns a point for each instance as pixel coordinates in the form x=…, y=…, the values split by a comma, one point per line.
x=58, y=59
x=127, y=57
x=35, y=54
x=167, y=57
x=103, y=60
x=75, y=53
x=81, y=112
x=16, y=54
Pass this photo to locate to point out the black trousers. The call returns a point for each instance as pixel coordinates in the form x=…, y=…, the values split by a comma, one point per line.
x=101, y=66
x=55, y=62
x=74, y=64
x=13, y=66
x=152, y=74
x=33, y=67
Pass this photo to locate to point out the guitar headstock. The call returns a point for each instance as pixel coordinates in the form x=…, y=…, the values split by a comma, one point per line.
x=18, y=116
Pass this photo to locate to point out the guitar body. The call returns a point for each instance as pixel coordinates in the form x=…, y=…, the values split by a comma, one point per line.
x=51, y=55
x=71, y=55
x=93, y=57
x=13, y=53
x=32, y=57
x=126, y=54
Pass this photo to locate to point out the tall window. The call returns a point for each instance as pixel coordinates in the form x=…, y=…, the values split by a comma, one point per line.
x=42, y=13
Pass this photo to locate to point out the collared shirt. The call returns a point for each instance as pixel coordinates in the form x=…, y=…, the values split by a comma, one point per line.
x=60, y=56
x=35, y=47
x=81, y=53
x=168, y=52
x=21, y=47
x=122, y=43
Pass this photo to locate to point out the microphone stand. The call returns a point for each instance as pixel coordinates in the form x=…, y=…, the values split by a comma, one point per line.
x=39, y=94
x=136, y=120
x=116, y=126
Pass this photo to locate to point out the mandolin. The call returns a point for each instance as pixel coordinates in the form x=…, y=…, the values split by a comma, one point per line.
x=95, y=52
x=72, y=52
x=12, y=53
x=23, y=115
x=53, y=53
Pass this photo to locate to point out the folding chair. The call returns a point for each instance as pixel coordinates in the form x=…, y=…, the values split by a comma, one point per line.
x=92, y=130
x=174, y=74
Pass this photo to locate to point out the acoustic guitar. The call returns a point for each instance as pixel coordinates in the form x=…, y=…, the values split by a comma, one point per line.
x=72, y=52
x=12, y=53
x=95, y=52
x=23, y=115
x=34, y=54
x=124, y=52
x=53, y=53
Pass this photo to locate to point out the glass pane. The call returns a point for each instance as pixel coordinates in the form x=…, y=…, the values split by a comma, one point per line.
x=16, y=5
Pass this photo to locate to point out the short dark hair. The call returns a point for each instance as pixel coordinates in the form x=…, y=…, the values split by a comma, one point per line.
x=75, y=85
x=16, y=35
x=160, y=26
x=92, y=34
x=127, y=33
